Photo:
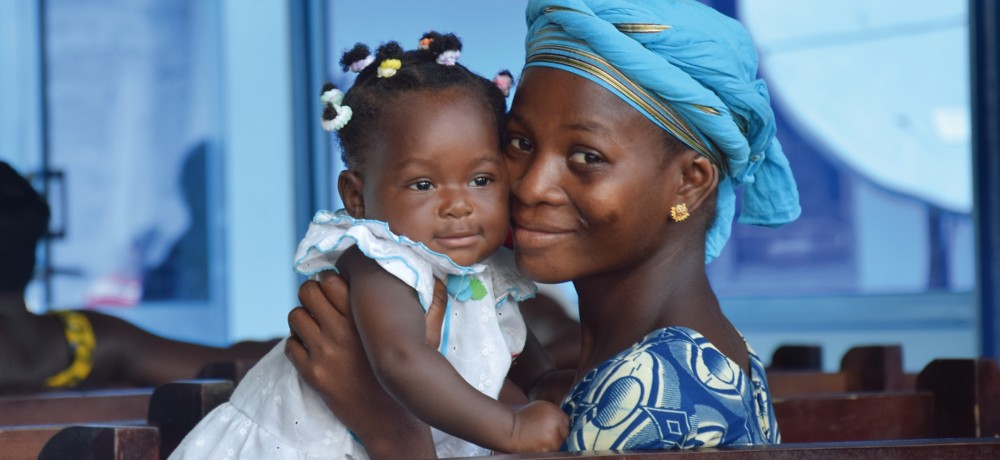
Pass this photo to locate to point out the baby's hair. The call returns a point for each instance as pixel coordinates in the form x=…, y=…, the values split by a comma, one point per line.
x=375, y=92
x=358, y=54
x=439, y=43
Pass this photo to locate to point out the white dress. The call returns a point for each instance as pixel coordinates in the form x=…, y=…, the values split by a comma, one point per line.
x=274, y=414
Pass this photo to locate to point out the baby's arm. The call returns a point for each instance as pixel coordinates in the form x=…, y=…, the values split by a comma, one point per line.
x=391, y=324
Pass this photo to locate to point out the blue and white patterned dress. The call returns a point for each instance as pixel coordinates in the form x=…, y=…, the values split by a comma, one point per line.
x=672, y=390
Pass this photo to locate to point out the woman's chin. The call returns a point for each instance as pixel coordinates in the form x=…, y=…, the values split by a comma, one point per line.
x=540, y=269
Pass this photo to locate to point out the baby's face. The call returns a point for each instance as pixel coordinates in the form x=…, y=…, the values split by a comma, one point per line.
x=437, y=175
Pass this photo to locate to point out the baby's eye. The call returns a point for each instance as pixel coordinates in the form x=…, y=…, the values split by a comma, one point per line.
x=585, y=158
x=481, y=181
x=522, y=144
x=422, y=185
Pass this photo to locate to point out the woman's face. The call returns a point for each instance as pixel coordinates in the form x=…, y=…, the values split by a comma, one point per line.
x=591, y=179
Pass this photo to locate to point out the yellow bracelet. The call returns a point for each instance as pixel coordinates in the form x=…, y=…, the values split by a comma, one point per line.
x=80, y=337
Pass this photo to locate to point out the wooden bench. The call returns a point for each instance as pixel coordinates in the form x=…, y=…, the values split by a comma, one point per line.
x=103, y=443
x=97, y=442
x=803, y=358
x=954, y=398
x=937, y=449
x=65, y=407
x=856, y=417
x=966, y=394
x=177, y=407
x=864, y=368
x=170, y=412
x=98, y=405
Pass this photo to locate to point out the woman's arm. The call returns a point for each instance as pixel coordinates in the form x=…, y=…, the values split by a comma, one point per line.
x=392, y=328
x=536, y=375
x=324, y=348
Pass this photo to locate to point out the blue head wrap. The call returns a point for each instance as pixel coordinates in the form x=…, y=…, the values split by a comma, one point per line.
x=693, y=72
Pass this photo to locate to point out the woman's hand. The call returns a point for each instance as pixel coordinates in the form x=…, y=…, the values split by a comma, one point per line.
x=327, y=352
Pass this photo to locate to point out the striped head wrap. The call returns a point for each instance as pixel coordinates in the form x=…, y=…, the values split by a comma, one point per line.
x=693, y=72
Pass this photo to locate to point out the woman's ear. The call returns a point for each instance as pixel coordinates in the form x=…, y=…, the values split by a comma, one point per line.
x=351, y=187
x=699, y=179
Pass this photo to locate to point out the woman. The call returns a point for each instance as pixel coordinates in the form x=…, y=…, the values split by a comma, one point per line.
x=632, y=125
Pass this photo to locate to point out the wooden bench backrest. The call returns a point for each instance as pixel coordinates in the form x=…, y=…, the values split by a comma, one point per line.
x=97, y=442
x=175, y=408
x=954, y=398
x=169, y=412
x=66, y=407
x=103, y=443
x=855, y=417
x=967, y=396
x=864, y=368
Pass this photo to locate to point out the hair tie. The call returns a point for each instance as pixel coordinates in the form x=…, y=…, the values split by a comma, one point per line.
x=389, y=57
x=446, y=48
x=388, y=67
x=336, y=118
x=358, y=66
x=335, y=115
x=331, y=96
x=449, y=57
x=504, y=80
x=356, y=58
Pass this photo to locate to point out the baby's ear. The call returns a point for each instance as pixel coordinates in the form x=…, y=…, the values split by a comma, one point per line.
x=699, y=179
x=351, y=187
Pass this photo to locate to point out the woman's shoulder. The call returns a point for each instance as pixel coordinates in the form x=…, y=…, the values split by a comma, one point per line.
x=675, y=367
x=685, y=354
x=674, y=342
x=681, y=393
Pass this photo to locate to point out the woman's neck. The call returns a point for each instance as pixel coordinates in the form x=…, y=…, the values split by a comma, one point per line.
x=617, y=309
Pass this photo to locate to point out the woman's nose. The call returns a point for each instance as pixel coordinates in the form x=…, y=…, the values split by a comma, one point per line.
x=538, y=181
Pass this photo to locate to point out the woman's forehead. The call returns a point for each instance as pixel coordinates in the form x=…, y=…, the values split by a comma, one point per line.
x=569, y=101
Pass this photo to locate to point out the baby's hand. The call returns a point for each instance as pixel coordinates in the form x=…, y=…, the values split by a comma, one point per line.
x=539, y=427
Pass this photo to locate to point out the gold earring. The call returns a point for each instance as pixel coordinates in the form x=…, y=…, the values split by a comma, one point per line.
x=680, y=212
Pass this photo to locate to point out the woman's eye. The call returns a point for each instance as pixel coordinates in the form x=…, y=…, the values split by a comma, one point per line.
x=481, y=181
x=522, y=144
x=422, y=185
x=585, y=158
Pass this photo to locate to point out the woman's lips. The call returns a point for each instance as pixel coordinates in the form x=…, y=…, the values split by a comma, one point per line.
x=537, y=236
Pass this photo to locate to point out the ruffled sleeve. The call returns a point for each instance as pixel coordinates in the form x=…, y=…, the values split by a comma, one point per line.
x=332, y=233
x=510, y=287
